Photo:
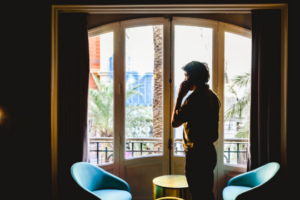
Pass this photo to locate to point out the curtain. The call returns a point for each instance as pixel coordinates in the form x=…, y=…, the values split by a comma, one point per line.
x=73, y=79
x=265, y=112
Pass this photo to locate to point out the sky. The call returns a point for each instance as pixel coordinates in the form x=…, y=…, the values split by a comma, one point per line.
x=106, y=42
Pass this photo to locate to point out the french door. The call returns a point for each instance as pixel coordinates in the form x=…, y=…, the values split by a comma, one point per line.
x=105, y=98
x=234, y=64
x=133, y=74
x=145, y=61
x=192, y=40
x=135, y=70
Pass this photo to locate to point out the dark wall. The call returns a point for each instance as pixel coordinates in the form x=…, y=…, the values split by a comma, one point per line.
x=243, y=20
x=25, y=88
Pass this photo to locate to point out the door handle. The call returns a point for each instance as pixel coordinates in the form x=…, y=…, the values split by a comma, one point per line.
x=170, y=144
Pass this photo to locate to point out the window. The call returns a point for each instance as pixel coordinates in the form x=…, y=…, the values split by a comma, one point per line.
x=144, y=103
x=237, y=79
x=101, y=99
x=141, y=71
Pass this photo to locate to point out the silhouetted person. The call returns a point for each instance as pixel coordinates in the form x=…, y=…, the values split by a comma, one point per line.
x=200, y=116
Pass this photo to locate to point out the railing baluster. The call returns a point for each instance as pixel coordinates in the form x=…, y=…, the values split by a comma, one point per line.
x=228, y=160
x=132, y=144
x=97, y=152
x=246, y=153
x=150, y=152
x=238, y=152
x=106, y=160
x=141, y=148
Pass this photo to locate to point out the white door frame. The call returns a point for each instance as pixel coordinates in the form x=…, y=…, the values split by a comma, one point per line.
x=225, y=171
x=163, y=9
x=113, y=27
x=159, y=164
x=156, y=164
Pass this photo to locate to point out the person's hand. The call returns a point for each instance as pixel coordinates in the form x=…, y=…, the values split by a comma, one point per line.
x=183, y=89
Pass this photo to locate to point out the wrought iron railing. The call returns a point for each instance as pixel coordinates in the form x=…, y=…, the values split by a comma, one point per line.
x=106, y=152
x=129, y=144
x=131, y=141
x=241, y=148
x=240, y=152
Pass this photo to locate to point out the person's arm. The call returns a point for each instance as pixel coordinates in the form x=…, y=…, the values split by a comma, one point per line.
x=183, y=90
x=176, y=123
x=215, y=132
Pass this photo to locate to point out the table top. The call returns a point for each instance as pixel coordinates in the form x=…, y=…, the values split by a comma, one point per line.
x=171, y=181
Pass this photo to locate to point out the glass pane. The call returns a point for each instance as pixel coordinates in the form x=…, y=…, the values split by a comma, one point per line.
x=144, y=90
x=100, y=107
x=192, y=43
x=237, y=79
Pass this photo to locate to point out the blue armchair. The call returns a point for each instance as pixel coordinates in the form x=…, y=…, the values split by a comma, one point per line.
x=252, y=184
x=100, y=183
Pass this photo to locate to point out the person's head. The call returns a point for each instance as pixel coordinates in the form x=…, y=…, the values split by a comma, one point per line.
x=197, y=72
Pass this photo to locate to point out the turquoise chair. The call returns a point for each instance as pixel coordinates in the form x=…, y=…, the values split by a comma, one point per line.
x=251, y=185
x=100, y=183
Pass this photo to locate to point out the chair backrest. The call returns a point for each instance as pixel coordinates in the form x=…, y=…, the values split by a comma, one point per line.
x=264, y=173
x=88, y=176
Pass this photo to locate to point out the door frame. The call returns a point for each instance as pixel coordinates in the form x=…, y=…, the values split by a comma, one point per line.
x=117, y=95
x=160, y=159
x=231, y=170
x=156, y=165
x=164, y=9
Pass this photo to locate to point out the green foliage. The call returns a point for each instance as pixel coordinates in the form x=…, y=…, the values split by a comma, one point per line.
x=101, y=111
x=138, y=116
x=242, y=81
x=237, y=109
x=242, y=106
x=244, y=131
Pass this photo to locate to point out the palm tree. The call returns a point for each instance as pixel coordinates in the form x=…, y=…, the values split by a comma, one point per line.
x=158, y=89
x=101, y=110
x=242, y=106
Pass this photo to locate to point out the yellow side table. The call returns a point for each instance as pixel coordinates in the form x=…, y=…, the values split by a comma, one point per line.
x=171, y=186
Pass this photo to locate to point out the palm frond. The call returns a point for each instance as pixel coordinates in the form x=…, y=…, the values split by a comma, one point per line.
x=242, y=80
x=243, y=132
x=236, y=110
x=132, y=91
x=232, y=90
x=100, y=109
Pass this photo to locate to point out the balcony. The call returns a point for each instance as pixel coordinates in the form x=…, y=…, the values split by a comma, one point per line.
x=235, y=150
x=134, y=149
